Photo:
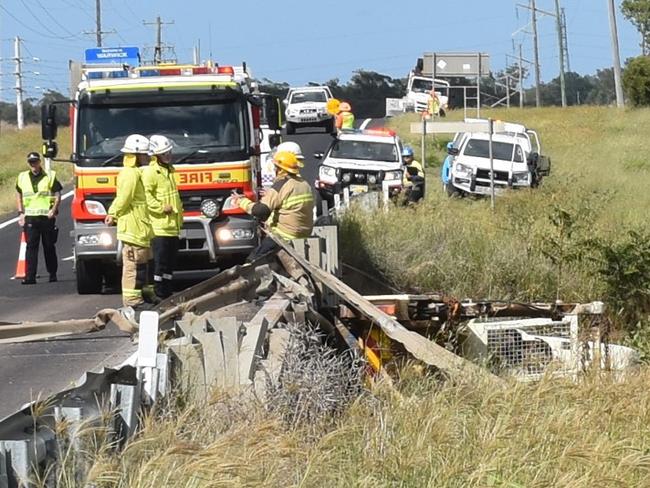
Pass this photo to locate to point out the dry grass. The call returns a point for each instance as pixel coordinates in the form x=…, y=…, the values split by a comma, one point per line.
x=463, y=434
x=14, y=146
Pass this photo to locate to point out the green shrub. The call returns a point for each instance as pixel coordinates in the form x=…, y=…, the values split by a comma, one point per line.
x=636, y=81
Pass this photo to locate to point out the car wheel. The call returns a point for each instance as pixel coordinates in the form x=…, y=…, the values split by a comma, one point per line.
x=291, y=129
x=451, y=190
x=89, y=277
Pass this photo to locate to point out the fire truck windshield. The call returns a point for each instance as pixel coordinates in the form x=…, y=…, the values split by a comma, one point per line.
x=218, y=125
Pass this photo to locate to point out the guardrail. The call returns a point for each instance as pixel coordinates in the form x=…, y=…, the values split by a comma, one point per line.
x=226, y=332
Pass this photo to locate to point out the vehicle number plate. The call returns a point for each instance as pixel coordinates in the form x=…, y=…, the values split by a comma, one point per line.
x=358, y=188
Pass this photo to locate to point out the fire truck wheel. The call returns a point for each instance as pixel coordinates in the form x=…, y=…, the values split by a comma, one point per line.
x=89, y=277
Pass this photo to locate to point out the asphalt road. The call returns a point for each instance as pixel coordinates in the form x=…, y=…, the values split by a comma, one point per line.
x=36, y=369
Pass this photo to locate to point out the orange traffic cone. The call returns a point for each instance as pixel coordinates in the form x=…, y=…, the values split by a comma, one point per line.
x=21, y=266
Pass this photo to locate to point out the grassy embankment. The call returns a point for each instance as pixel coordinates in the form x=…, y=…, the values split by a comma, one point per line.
x=582, y=236
x=14, y=147
x=464, y=433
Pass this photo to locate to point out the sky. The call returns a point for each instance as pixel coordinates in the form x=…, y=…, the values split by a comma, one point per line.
x=303, y=41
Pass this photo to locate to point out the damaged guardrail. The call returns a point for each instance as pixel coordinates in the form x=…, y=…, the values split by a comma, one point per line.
x=227, y=332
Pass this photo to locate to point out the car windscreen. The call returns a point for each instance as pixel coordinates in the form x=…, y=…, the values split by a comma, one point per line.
x=308, y=96
x=204, y=129
x=421, y=86
x=364, y=150
x=505, y=151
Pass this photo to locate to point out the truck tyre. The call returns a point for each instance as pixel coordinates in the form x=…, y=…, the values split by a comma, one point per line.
x=291, y=129
x=329, y=127
x=89, y=277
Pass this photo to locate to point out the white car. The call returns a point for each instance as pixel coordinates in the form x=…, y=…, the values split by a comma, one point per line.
x=307, y=107
x=361, y=161
x=515, y=163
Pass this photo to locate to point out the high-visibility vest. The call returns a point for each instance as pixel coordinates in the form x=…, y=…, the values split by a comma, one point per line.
x=348, y=120
x=39, y=202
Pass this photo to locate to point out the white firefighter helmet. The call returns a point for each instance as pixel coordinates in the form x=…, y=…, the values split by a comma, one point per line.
x=159, y=145
x=136, y=144
x=291, y=147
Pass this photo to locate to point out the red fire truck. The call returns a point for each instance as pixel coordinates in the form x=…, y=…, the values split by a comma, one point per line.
x=210, y=112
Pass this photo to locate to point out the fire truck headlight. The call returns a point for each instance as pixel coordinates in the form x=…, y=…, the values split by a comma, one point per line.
x=226, y=235
x=210, y=208
x=102, y=239
x=94, y=207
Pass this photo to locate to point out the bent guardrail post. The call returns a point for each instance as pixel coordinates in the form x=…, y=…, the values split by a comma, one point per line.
x=419, y=346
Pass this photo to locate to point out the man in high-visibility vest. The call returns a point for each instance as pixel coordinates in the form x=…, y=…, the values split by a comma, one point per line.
x=345, y=117
x=38, y=195
x=433, y=105
x=165, y=210
x=287, y=207
x=413, y=180
x=129, y=210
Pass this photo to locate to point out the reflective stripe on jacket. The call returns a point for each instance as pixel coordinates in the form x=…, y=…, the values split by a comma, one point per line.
x=130, y=206
x=414, y=164
x=160, y=190
x=39, y=202
x=290, y=203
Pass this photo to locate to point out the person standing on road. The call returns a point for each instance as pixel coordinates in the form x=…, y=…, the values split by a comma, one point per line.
x=129, y=210
x=38, y=195
x=413, y=180
x=165, y=210
x=345, y=117
x=433, y=105
x=287, y=207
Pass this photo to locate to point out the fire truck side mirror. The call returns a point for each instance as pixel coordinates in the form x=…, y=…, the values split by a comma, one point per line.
x=275, y=140
x=273, y=112
x=48, y=122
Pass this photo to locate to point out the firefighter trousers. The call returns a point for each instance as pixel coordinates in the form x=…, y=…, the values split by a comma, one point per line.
x=37, y=230
x=135, y=260
x=165, y=249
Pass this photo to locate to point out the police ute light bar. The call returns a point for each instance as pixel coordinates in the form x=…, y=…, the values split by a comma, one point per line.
x=380, y=132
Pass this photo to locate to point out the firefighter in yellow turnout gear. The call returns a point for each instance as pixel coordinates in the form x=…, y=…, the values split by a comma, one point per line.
x=129, y=209
x=287, y=207
x=165, y=211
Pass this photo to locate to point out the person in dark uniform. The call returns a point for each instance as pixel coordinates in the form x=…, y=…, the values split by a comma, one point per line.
x=38, y=195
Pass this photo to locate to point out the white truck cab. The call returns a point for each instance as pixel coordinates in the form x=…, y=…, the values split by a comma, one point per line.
x=517, y=162
x=361, y=161
x=307, y=107
x=418, y=92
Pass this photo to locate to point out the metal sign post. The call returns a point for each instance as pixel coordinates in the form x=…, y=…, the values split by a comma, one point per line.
x=491, y=131
x=423, y=142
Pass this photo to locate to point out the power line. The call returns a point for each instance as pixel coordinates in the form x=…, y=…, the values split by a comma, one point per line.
x=55, y=21
x=39, y=21
x=29, y=28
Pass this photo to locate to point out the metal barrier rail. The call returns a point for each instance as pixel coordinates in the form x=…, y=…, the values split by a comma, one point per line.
x=224, y=332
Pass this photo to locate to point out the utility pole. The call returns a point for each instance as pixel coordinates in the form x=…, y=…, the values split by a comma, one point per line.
x=620, y=102
x=98, y=22
x=157, y=53
x=558, y=19
x=538, y=98
x=20, y=120
x=521, y=80
x=565, y=43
